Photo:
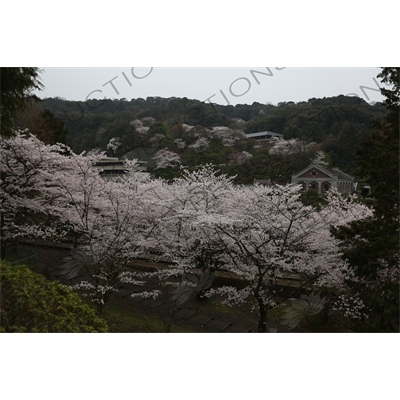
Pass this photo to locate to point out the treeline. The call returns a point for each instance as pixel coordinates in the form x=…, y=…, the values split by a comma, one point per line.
x=337, y=125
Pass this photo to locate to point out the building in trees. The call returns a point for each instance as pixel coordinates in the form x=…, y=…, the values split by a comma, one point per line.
x=322, y=179
x=112, y=167
x=264, y=137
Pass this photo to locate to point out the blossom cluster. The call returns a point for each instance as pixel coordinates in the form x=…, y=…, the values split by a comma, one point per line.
x=147, y=295
x=166, y=158
x=350, y=306
x=199, y=222
x=200, y=145
x=139, y=127
x=226, y=135
x=286, y=147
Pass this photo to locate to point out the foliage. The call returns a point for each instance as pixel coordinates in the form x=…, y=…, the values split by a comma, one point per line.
x=240, y=158
x=286, y=147
x=122, y=319
x=312, y=193
x=372, y=246
x=320, y=159
x=166, y=159
x=268, y=233
x=29, y=187
x=16, y=85
x=258, y=233
x=336, y=124
x=301, y=308
x=30, y=303
x=192, y=284
x=43, y=124
x=391, y=76
x=199, y=222
x=113, y=146
x=50, y=192
x=312, y=198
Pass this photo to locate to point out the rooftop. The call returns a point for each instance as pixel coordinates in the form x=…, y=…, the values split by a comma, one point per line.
x=263, y=135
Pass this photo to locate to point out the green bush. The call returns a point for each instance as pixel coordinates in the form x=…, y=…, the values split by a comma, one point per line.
x=312, y=193
x=31, y=303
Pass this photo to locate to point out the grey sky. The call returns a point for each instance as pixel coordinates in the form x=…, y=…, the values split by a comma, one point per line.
x=220, y=85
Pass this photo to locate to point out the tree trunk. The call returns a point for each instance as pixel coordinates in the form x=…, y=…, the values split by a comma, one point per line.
x=2, y=241
x=262, y=318
x=100, y=306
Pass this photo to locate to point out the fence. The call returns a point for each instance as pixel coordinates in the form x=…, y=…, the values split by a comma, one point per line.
x=17, y=256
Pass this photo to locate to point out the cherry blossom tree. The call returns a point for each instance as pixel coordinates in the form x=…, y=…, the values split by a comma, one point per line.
x=112, y=236
x=263, y=235
x=320, y=159
x=269, y=235
x=32, y=204
x=226, y=135
x=286, y=147
x=49, y=192
x=113, y=145
x=240, y=158
x=200, y=222
x=166, y=158
x=200, y=145
x=196, y=131
x=113, y=222
x=180, y=143
x=139, y=127
x=181, y=239
x=186, y=127
x=239, y=122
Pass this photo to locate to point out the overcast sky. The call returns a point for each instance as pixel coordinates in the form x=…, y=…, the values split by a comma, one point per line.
x=218, y=85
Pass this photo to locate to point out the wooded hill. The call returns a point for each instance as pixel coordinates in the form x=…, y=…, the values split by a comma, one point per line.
x=335, y=125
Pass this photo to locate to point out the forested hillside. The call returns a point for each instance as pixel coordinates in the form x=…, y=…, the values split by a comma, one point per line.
x=194, y=131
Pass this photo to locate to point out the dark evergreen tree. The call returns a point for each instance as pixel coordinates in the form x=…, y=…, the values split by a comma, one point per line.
x=43, y=124
x=372, y=246
x=16, y=89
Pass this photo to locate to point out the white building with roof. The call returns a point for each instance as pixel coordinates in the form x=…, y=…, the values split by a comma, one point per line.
x=322, y=179
x=263, y=138
x=263, y=135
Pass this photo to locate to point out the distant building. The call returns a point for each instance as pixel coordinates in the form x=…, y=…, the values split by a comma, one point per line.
x=322, y=179
x=263, y=182
x=113, y=167
x=263, y=135
x=263, y=138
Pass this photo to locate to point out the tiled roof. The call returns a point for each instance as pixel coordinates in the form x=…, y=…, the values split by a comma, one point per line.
x=331, y=171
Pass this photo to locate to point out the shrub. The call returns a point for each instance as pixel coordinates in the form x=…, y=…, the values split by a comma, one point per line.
x=312, y=193
x=31, y=303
